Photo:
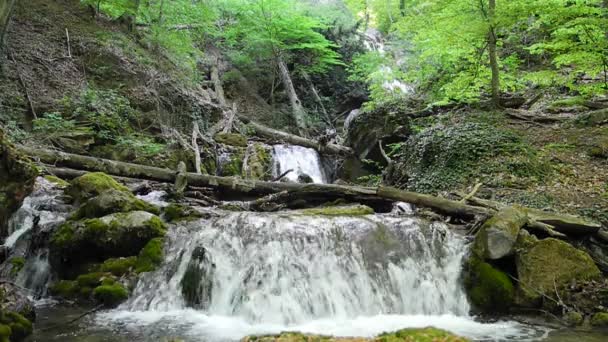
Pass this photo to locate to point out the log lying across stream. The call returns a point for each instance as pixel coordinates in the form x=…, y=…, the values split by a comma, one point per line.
x=270, y=133
x=70, y=165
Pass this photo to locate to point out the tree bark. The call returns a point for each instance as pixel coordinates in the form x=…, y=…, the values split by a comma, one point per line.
x=298, y=112
x=274, y=134
x=493, y=54
x=6, y=9
x=217, y=83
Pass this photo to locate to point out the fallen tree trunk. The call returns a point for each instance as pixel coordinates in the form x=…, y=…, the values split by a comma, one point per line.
x=274, y=134
x=252, y=187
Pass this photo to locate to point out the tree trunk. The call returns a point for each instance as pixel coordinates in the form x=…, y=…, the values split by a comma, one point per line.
x=6, y=9
x=315, y=94
x=197, y=151
x=493, y=54
x=299, y=114
x=280, y=136
x=217, y=83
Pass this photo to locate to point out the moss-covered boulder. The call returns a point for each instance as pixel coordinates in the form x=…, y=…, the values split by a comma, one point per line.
x=119, y=266
x=113, y=201
x=232, y=139
x=150, y=256
x=231, y=162
x=550, y=264
x=15, y=299
x=259, y=162
x=496, y=238
x=179, y=212
x=14, y=325
x=338, y=210
x=92, y=184
x=197, y=282
x=60, y=183
x=573, y=318
x=600, y=319
x=488, y=288
x=110, y=295
x=428, y=334
x=115, y=235
x=594, y=118
x=17, y=178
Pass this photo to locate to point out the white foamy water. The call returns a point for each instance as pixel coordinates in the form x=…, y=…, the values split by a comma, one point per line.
x=301, y=160
x=156, y=197
x=343, y=276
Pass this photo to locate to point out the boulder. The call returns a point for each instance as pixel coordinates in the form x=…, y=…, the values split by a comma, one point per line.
x=113, y=201
x=14, y=327
x=404, y=335
x=563, y=223
x=114, y=235
x=12, y=298
x=179, y=212
x=488, y=288
x=593, y=118
x=197, y=282
x=304, y=178
x=496, y=238
x=549, y=265
x=17, y=178
x=92, y=184
x=232, y=139
x=600, y=319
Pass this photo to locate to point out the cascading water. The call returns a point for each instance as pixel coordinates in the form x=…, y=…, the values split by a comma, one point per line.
x=302, y=160
x=39, y=214
x=258, y=273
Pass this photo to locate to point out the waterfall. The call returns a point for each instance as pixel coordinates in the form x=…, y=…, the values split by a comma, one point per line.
x=29, y=228
x=302, y=160
x=265, y=273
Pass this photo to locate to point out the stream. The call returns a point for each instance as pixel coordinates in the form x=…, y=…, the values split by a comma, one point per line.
x=258, y=273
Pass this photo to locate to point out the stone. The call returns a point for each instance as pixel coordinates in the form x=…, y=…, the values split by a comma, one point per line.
x=496, y=238
x=428, y=334
x=232, y=139
x=488, y=288
x=593, y=118
x=92, y=184
x=304, y=178
x=113, y=201
x=573, y=318
x=13, y=298
x=197, y=282
x=600, y=319
x=549, y=265
x=179, y=212
x=114, y=235
x=150, y=256
x=110, y=295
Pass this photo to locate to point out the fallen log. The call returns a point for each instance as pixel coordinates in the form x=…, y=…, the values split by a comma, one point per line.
x=274, y=134
x=244, y=187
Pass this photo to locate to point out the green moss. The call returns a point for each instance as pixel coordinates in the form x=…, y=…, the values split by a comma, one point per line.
x=20, y=327
x=420, y=335
x=92, y=184
x=150, y=256
x=567, y=102
x=351, y=210
x=488, y=288
x=551, y=264
x=17, y=263
x=112, y=201
x=232, y=139
x=110, y=295
x=600, y=319
x=119, y=266
x=234, y=166
x=57, y=181
x=259, y=163
x=64, y=288
x=178, y=212
x=573, y=318
x=91, y=279
x=5, y=333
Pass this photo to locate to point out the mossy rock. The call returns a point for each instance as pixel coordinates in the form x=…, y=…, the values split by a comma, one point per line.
x=64, y=289
x=5, y=333
x=197, y=282
x=594, y=118
x=232, y=139
x=57, y=181
x=233, y=165
x=20, y=327
x=17, y=264
x=110, y=295
x=350, y=210
x=17, y=177
x=259, y=162
x=179, y=212
x=112, y=201
x=551, y=264
x=92, y=279
x=150, y=256
x=600, y=319
x=573, y=318
x=119, y=266
x=488, y=288
x=428, y=334
x=92, y=184
x=115, y=235
x=496, y=238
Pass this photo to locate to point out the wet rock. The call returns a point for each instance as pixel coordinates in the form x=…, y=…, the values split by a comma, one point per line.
x=403, y=335
x=496, y=238
x=13, y=298
x=304, y=179
x=150, y=256
x=115, y=235
x=179, y=212
x=113, y=201
x=549, y=265
x=488, y=288
x=92, y=184
x=197, y=282
x=17, y=178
